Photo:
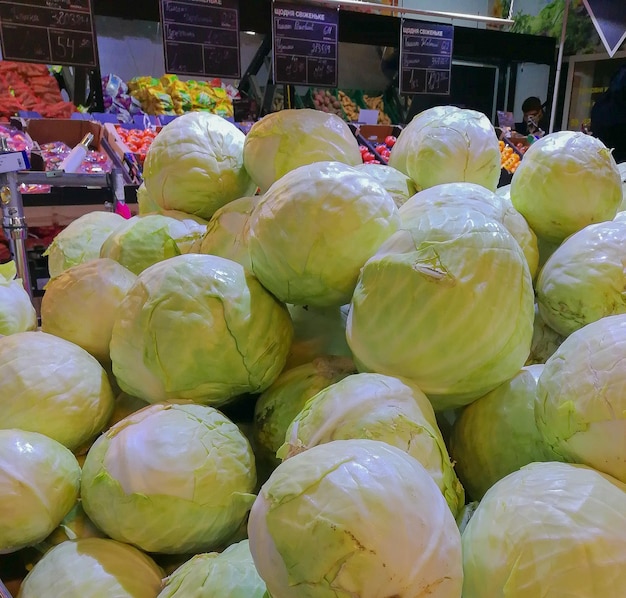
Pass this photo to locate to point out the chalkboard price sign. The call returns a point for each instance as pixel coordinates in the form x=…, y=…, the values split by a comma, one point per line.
x=305, y=43
x=425, y=57
x=50, y=32
x=201, y=37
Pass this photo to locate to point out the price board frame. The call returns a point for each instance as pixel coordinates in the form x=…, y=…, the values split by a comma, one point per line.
x=198, y=34
x=61, y=32
x=305, y=45
x=425, y=57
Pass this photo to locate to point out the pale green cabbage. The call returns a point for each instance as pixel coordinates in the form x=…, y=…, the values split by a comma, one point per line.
x=228, y=574
x=397, y=184
x=620, y=216
x=315, y=228
x=81, y=304
x=478, y=198
x=622, y=172
x=198, y=327
x=74, y=526
x=448, y=145
x=93, y=568
x=317, y=331
x=545, y=341
x=377, y=407
x=566, y=181
x=145, y=240
x=549, y=529
x=227, y=232
x=81, y=240
x=282, y=141
x=284, y=399
x=584, y=279
x=448, y=304
x=17, y=313
x=170, y=478
x=39, y=482
x=124, y=405
x=497, y=434
x=149, y=207
x=51, y=386
x=195, y=165
x=581, y=403
x=354, y=518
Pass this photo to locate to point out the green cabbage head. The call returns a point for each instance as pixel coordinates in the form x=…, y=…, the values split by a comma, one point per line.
x=549, y=529
x=566, y=181
x=585, y=278
x=145, y=240
x=397, y=184
x=447, y=303
x=448, y=145
x=228, y=574
x=282, y=141
x=93, y=568
x=81, y=240
x=81, y=304
x=544, y=343
x=354, y=518
x=227, y=232
x=170, y=478
x=195, y=165
x=283, y=400
x=315, y=228
x=54, y=387
x=581, y=403
x=477, y=197
x=39, y=482
x=17, y=313
x=497, y=434
x=198, y=327
x=379, y=408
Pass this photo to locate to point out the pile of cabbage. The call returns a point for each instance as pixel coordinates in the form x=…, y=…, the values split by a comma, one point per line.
x=288, y=377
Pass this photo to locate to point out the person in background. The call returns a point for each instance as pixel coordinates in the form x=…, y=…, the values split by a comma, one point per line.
x=536, y=121
x=608, y=116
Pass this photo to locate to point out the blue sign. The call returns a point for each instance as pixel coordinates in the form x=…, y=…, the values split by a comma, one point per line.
x=609, y=19
x=425, y=57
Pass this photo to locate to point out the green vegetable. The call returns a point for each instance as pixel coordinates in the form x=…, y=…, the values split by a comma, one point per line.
x=544, y=343
x=397, y=184
x=51, y=386
x=283, y=400
x=81, y=240
x=376, y=407
x=125, y=404
x=581, y=405
x=170, y=478
x=145, y=240
x=474, y=196
x=566, y=181
x=315, y=228
x=317, y=331
x=549, y=529
x=448, y=145
x=468, y=324
x=354, y=518
x=17, y=313
x=497, y=434
x=227, y=232
x=93, y=568
x=584, y=279
x=195, y=165
x=229, y=574
x=81, y=304
x=39, y=482
x=198, y=327
x=283, y=141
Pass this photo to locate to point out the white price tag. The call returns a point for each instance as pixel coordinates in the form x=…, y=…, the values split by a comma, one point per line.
x=13, y=161
x=368, y=117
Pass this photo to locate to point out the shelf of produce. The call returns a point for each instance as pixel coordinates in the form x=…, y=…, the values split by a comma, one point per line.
x=76, y=196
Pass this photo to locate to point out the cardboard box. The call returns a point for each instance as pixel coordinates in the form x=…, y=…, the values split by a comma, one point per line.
x=132, y=162
x=70, y=132
x=377, y=133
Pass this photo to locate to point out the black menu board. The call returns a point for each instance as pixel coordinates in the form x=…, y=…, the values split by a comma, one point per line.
x=425, y=57
x=48, y=32
x=305, y=44
x=201, y=37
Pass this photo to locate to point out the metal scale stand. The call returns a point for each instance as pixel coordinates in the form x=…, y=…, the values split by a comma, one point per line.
x=14, y=172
